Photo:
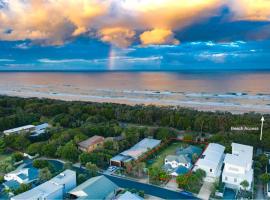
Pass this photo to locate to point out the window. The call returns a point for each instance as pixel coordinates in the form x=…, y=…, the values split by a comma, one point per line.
x=226, y=178
x=211, y=170
x=235, y=180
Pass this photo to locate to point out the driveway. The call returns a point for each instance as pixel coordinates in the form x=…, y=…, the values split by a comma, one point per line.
x=205, y=191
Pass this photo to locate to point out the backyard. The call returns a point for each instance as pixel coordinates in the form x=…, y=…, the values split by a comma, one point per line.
x=158, y=161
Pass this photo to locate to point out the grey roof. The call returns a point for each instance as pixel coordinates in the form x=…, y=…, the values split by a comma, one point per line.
x=180, y=159
x=98, y=187
x=120, y=158
x=141, y=147
x=53, y=185
x=129, y=196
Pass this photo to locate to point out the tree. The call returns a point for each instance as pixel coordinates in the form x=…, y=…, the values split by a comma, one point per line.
x=263, y=159
x=81, y=178
x=1, y=179
x=34, y=149
x=92, y=168
x=39, y=164
x=2, y=145
x=68, y=152
x=49, y=150
x=17, y=157
x=158, y=175
x=44, y=174
x=85, y=158
x=182, y=181
x=22, y=188
x=245, y=184
x=265, y=178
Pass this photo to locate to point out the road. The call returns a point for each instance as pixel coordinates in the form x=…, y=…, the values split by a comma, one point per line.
x=149, y=189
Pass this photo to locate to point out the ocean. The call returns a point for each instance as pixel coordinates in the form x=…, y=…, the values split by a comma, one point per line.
x=247, y=89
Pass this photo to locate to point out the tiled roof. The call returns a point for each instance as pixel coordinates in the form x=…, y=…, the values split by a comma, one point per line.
x=91, y=141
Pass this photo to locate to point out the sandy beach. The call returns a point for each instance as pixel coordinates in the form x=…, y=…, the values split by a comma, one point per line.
x=235, y=102
x=202, y=92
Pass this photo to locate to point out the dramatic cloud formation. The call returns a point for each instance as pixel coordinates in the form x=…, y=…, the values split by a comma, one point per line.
x=117, y=36
x=118, y=22
x=158, y=36
x=256, y=10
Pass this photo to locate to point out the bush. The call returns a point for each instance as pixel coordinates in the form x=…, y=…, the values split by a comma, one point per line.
x=40, y=164
x=17, y=157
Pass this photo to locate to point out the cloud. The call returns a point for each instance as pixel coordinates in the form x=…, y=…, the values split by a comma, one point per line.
x=252, y=10
x=118, y=22
x=118, y=36
x=158, y=36
x=127, y=59
x=6, y=60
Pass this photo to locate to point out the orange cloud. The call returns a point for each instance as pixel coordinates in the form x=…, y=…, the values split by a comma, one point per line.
x=157, y=37
x=118, y=36
x=54, y=22
x=253, y=10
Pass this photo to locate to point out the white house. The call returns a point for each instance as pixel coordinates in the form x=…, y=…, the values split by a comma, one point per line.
x=55, y=188
x=22, y=129
x=238, y=166
x=211, y=161
x=177, y=161
x=22, y=176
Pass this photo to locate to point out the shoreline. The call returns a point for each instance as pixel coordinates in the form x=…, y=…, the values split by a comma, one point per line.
x=234, y=103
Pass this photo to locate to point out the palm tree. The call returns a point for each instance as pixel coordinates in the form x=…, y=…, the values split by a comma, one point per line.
x=245, y=184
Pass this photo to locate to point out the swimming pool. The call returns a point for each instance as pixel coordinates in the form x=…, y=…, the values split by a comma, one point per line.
x=229, y=194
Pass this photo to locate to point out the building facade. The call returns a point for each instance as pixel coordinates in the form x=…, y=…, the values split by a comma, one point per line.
x=238, y=167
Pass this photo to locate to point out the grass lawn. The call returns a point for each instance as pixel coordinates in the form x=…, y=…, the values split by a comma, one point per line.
x=3, y=157
x=169, y=150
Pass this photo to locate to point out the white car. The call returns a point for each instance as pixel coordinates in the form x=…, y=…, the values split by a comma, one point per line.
x=112, y=168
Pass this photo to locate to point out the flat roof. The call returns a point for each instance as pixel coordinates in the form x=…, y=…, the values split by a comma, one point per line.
x=212, y=155
x=141, y=147
x=48, y=187
x=19, y=128
x=241, y=155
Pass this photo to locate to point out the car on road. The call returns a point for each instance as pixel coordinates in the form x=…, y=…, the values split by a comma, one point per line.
x=112, y=168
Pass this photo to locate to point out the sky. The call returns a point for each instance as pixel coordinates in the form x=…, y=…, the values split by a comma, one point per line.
x=134, y=35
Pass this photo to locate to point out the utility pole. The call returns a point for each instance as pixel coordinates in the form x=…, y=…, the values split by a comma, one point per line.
x=262, y=120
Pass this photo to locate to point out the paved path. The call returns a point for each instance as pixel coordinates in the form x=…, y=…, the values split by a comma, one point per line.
x=205, y=191
x=259, y=193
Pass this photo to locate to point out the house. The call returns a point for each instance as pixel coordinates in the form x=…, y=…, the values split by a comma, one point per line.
x=19, y=130
x=55, y=188
x=176, y=171
x=177, y=161
x=40, y=129
x=91, y=143
x=21, y=176
x=98, y=187
x=238, y=167
x=135, y=152
x=211, y=161
x=129, y=196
